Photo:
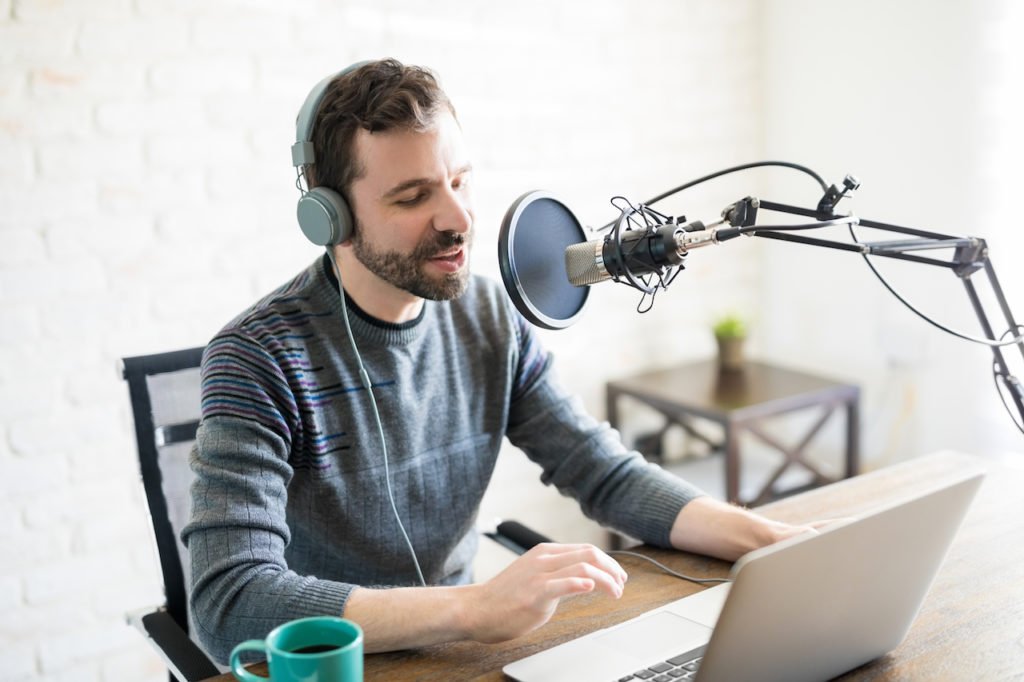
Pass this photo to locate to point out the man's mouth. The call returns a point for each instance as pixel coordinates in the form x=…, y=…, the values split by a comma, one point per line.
x=451, y=260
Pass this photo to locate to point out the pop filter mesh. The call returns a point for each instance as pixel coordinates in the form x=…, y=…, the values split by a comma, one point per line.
x=531, y=251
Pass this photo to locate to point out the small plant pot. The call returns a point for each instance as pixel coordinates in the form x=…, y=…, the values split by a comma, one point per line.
x=730, y=353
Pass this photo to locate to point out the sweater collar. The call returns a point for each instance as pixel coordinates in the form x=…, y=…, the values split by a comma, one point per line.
x=365, y=325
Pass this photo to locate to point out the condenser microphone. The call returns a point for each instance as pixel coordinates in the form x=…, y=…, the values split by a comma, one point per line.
x=639, y=252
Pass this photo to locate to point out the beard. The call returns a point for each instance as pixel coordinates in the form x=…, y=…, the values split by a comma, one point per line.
x=405, y=270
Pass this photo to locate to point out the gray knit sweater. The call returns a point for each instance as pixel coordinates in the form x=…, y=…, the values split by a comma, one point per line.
x=290, y=509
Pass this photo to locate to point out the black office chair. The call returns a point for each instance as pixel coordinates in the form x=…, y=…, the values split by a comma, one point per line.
x=164, y=391
x=165, y=395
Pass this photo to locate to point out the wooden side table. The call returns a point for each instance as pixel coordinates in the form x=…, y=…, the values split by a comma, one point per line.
x=740, y=400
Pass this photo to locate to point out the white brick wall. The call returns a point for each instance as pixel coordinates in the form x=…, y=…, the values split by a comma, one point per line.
x=146, y=197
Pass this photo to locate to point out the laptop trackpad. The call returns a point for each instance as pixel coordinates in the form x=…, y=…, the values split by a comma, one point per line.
x=659, y=634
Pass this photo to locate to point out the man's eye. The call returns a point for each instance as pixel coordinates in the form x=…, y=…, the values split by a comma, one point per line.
x=411, y=201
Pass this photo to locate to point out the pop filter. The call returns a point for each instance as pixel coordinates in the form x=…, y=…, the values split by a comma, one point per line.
x=535, y=232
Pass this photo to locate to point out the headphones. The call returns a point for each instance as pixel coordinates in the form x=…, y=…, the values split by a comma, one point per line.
x=323, y=214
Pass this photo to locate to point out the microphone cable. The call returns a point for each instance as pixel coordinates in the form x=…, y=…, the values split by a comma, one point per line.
x=726, y=171
x=364, y=378
x=998, y=374
x=991, y=343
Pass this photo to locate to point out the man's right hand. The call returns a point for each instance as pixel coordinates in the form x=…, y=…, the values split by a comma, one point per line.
x=519, y=599
x=525, y=595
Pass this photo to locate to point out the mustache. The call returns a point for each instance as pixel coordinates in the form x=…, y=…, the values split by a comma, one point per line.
x=440, y=242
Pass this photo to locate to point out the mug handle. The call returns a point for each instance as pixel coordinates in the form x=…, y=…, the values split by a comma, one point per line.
x=236, y=665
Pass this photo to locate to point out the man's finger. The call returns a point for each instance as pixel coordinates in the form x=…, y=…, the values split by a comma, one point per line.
x=565, y=587
x=588, y=554
x=601, y=579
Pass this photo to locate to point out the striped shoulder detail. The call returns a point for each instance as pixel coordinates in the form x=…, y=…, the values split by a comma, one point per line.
x=242, y=379
x=259, y=367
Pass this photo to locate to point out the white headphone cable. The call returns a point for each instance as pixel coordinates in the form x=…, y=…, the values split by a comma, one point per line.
x=365, y=380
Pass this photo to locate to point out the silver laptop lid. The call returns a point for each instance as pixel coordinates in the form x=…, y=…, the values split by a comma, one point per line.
x=813, y=607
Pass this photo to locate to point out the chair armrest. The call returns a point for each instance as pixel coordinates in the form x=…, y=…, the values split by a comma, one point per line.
x=183, y=657
x=515, y=536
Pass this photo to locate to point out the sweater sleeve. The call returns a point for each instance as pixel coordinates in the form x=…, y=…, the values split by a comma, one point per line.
x=241, y=586
x=586, y=459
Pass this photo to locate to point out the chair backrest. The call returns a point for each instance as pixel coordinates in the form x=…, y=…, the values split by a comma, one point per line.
x=165, y=395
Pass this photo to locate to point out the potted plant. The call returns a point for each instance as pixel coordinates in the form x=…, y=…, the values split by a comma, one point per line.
x=730, y=333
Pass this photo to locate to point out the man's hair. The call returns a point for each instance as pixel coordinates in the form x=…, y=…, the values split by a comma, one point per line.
x=376, y=97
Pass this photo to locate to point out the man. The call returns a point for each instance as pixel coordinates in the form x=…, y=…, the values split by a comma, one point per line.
x=297, y=511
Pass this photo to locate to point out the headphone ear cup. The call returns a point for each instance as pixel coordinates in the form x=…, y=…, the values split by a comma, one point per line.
x=324, y=217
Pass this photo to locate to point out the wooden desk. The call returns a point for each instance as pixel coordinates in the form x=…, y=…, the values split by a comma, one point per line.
x=740, y=401
x=971, y=625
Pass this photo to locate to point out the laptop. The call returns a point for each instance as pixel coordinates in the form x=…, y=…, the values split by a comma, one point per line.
x=808, y=608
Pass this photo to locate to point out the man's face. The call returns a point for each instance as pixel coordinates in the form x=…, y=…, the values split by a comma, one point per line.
x=412, y=209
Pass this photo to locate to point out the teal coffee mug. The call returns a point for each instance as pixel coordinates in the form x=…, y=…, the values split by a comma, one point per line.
x=319, y=649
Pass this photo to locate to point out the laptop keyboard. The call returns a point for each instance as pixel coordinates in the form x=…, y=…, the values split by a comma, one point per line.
x=681, y=667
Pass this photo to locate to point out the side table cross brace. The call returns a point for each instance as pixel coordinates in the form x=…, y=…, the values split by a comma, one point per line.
x=739, y=401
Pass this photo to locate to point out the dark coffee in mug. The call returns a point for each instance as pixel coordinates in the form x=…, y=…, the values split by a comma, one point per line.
x=315, y=649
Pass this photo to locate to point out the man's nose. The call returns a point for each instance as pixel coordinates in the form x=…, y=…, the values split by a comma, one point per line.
x=455, y=214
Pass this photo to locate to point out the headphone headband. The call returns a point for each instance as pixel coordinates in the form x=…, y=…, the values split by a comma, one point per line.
x=302, y=151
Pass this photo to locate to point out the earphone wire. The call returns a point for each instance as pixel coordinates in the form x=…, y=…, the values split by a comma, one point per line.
x=364, y=378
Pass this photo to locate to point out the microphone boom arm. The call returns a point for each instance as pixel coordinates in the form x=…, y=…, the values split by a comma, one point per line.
x=970, y=255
